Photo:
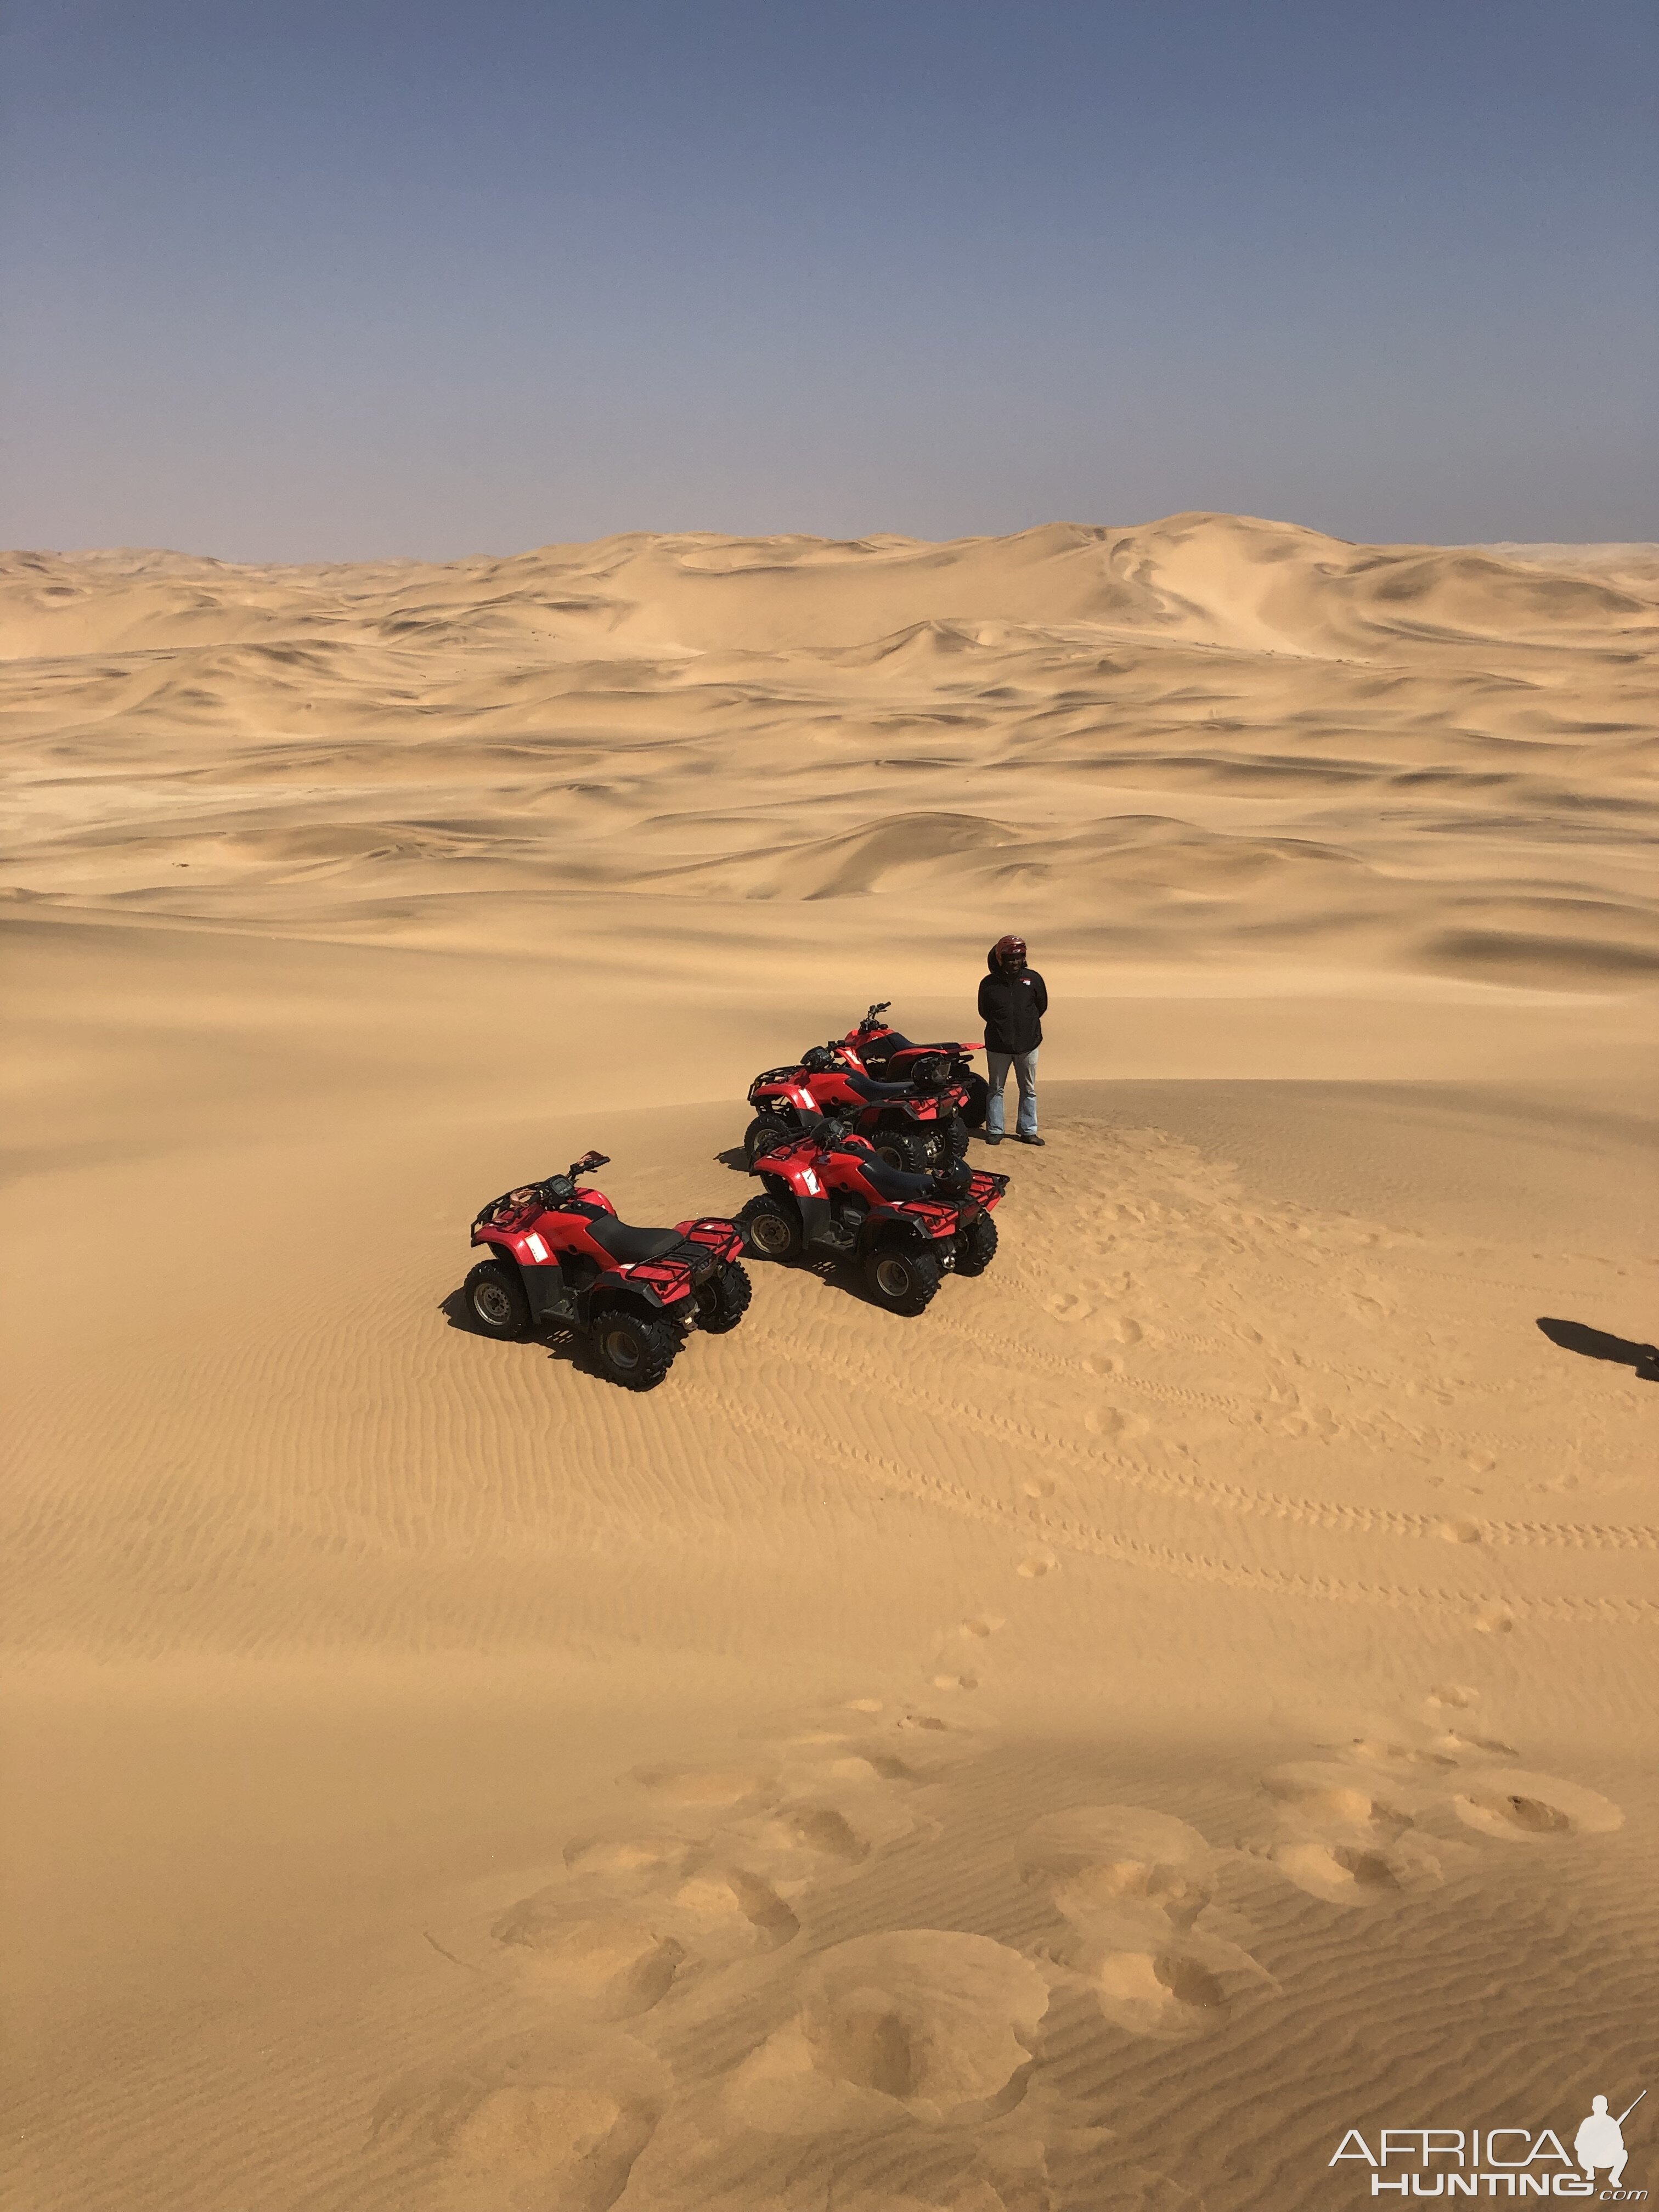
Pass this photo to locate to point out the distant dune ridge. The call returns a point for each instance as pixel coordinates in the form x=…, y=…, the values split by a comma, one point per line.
x=1186, y=1696
x=1425, y=757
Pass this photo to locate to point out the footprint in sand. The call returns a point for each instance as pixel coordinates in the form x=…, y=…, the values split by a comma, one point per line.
x=1383, y=1751
x=1039, y=1486
x=1522, y=1806
x=917, y=2024
x=981, y=1625
x=1131, y=1886
x=566, y=2120
x=1345, y=1830
x=718, y=1786
x=1067, y=1305
x=1109, y=1858
x=617, y=1965
x=1358, y=1874
x=1457, y=1746
x=1038, y=1565
x=635, y=1914
x=1338, y=1796
x=1462, y=1531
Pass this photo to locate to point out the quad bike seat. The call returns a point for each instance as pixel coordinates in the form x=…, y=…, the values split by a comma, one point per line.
x=895, y=1184
x=628, y=1244
x=865, y=1086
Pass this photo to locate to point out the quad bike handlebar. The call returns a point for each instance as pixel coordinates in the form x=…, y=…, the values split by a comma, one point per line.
x=557, y=1189
x=873, y=1013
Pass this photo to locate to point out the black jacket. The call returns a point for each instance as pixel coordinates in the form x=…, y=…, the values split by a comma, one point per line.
x=1012, y=1003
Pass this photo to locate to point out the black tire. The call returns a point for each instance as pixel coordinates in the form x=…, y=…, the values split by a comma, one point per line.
x=905, y=1146
x=979, y=1091
x=771, y=1228
x=978, y=1247
x=632, y=1348
x=723, y=1303
x=763, y=1134
x=902, y=1277
x=953, y=1138
x=495, y=1302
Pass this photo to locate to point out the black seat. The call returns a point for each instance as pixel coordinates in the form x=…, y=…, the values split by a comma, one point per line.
x=628, y=1244
x=865, y=1086
x=896, y=1184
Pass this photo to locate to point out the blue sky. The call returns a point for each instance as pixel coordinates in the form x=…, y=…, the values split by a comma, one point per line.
x=304, y=282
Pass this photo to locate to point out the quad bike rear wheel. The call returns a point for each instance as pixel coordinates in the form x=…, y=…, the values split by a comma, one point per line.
x=979, y=1246
x=905, y=1147
x=979, y=1091
x=765, y=1134
x=495, y=1302
x=771, y=1228
x=632, y=1348
x=902, y=1277
x=722, y=1304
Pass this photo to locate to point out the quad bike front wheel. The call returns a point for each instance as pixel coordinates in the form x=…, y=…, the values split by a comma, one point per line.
x=495, y=1302
x=978, y=1247
x=723, y=1303
x=634, y=1349
x=979, y=1091
x=951, y=1142
x=902, y=1277
x=771, y=1228
x=765, y=1134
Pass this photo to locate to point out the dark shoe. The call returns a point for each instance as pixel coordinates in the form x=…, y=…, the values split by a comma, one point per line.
x=1028, y=1140
x=994, y=1140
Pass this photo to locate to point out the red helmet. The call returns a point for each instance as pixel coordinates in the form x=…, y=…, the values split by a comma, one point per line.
x=1006, y=948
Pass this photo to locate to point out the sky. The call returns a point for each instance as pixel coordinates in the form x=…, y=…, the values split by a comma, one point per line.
x=304, y=282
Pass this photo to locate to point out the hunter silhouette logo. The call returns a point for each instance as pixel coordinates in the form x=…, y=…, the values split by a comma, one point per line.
x=1499, y=2161
x=1601, y=2140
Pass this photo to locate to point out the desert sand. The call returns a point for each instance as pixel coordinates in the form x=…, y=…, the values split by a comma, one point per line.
x=1188, y=1694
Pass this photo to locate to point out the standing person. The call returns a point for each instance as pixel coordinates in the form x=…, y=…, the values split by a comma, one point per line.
x=1012, y=1000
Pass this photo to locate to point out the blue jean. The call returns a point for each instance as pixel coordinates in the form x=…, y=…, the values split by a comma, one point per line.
x=996, y=1065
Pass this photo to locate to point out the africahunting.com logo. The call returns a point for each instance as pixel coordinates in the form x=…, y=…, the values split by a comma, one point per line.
x=1498, y=2162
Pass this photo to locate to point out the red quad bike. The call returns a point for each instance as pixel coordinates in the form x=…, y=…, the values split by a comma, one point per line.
x=885, y=1052
x=829, y=1196
x=909, y=1125
x=560, y=1258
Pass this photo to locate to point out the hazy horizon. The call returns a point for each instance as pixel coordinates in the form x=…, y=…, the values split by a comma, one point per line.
x=1532, y=547
x=380, y=283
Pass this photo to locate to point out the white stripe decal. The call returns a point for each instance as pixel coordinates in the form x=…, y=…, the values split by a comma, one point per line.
x=536, y=1245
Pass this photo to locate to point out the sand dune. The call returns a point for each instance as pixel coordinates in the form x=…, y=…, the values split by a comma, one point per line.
x=1185, y=1696
x=1427, y=759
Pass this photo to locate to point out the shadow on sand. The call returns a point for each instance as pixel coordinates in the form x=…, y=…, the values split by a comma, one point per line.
x=1596, y=1344
x=566, y=1345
